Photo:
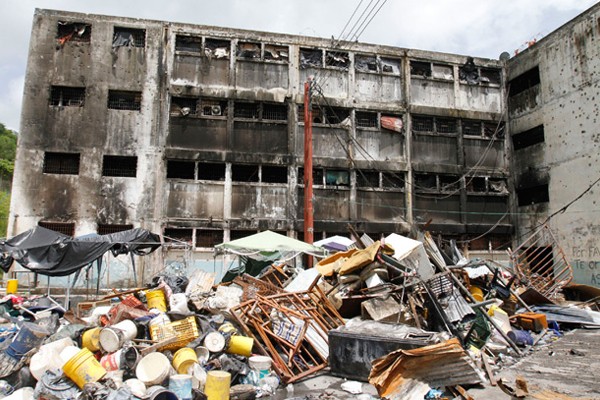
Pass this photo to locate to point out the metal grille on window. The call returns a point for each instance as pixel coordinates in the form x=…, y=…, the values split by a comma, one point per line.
x=366, y=119
x=472, y=128
x=120, y=166
x=182, y=107
x=107, y=229
x=246, y=110
x=61, y=163
x=67, y=96
x=422, y=124
x=445, y=125
x=192, y=44
x=274, y=112
x=208, y=237
x=121, y=100
x=66, y=228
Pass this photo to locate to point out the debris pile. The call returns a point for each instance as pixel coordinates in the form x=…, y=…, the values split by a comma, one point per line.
x=414, y=319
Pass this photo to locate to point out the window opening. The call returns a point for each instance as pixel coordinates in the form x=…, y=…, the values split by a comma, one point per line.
x=244, y=173
x=445, y=125
x=61, y=163
x=183, y=106
x=337, y=177
x=533, y=195
x=497, y=186
x=214, y=108
x=426, y=181
x=335, y=115
x=472, y=128
x=441, y=71
x=274, y=52
x=392, y=180
x=123, y=100
x=337, y=59
x=248, y=50
x=177, y=169
x=193, y=44
x=367, y=178
x=129, y=37
x=217, y=48
x=67, y=96
x=174, y=235
x=366, y=119
x=274, y=174
x=311, y=58
x=422, y=123
x=317, y=176
x=245, y=110
x=73, y=32
x=274, y=112
x=390, y=66
x=449, y=182
x=493, y=129
x=490, y=75
x=420, y=68
x=366, y=63
x=528, y=138
x=235, y=234
x=107, y=229
x=208, y=237
x=477, y=184
x=469, y=72
x=66, y=228
x=211, y=171
x=524, y=81
x=119, y=166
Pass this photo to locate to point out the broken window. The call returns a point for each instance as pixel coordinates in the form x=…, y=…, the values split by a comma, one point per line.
x=124, y=100
x=392, y=180
x=469, y=72
x=445, y=125
x=497, y=186
x=365, y=119
x=425, y=182
x=129, y=37
x=477, y=184
x=421, y=123
x=367, y=178
x=120, y=166
x=174, y=235
x=248, y=50
x=208, y=237
x=61, y=163
x=420, y=69
x=211, y=171
x=216, y=48
x=183, y=106
x=390, y=66
x=493, y=129
x=311, y=58
x=533, y=195
x=317, y=176
x=274, y=174
x=490, y=75
x=366, y=63
x=337, y=59
x=278, y=53
x=442, y=71
x=335, y=115
x=177, y=169
x=337, y=177
x=192, y=44
x=214, y=108
x=67, y=96
x=244, y=173
x=524, y=81
x=66, y=228
x=107, y=229
x=471, y=128
x=245, y=110
x=274, y=112
x=235, y=234
x=73, y=32
x=449, y=182
x=528, y=138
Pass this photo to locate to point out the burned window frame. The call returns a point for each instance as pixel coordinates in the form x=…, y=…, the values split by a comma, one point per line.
x=332, y=60
x=180, y=169
x=61, y=163
x=216, y=236
x=484, y=75
x=532, y=195
x=429, y=182
x=137, y=34
x=64, y=36
x=60, y=94
x=186, y=236
x=283, y=170
x=181, y=40
x=523, y=82
x=245, y=173
x=257, y=52
x=281, y=48
x=365, y=179
x=329, y=172
x=124, y=100
x=212, y=176
x=211, y=44
x=119, y=166
x=312, y=58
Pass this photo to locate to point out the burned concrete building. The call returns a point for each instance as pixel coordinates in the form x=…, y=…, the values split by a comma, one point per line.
x=197, y=132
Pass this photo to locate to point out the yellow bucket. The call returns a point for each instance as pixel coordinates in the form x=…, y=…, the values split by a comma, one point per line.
x=91, y=339
x=228, y=328
x=83, y=368
x=241, y=345
x=12, y=285
x=217, y=385
x=156, y=299
x=477, y=293
x=183, y=359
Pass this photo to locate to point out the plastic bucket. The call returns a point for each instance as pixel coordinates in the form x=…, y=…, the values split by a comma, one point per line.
x=520, y=337
x=183, y=359
x=83, y=368
x=217, y=385
x=181, y=385
x=112, y=361
x=477, y=293
x=241, y=345
x=214, y=342
x=91, y=339
x=12, y=285
x=156, y=299
x=29, y=337
x=112, y=338
x=153, y=369
x=261, y=364
x=48, y=357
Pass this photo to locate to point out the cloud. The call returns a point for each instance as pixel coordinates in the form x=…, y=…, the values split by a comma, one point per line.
x=10, y=103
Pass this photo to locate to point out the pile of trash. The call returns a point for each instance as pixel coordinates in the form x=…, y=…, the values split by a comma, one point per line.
x=414, y=319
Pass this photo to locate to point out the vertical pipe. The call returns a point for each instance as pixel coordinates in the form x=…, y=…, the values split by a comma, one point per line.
x=308, y=173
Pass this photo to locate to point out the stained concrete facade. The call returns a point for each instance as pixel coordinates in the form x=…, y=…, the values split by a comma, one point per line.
x=554, y=91
x=197, y=132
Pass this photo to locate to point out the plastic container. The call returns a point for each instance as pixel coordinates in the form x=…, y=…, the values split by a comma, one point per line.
x=202, y=354
x=214, y=342
x=181, y=385
x=91, y=339
x=156, y=299
x=112, y=338
x=12, y=286
x=29, y=337
x=153, y=369
x=217, y=385
x=84, y=368
x=241, y=345
x=48, y=357
x=183, y=359
x=260, y=364
x=112, y=361
x=477, y=293
x=185, y=330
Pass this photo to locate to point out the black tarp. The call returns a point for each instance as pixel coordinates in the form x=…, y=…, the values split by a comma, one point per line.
x=53, y=254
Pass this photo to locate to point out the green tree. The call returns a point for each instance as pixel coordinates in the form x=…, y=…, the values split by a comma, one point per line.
x=8, y=149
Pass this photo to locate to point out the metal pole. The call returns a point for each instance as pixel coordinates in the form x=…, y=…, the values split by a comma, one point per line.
x=308, y=168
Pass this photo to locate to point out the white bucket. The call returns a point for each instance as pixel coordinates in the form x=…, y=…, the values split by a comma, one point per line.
x=153, y=369
x=67, y=353
x=113, y=337
x=138, y=389
x=48, y=356
x=214, y=342
x=260, y=363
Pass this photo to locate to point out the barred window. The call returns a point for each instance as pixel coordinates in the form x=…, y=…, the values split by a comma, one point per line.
x=119, y=166
x=124, y=100
x=274, y=112
x=67, y=96
x=107, y=229
x=66, y=228
x=246, y=110
x=193, y=44
x=366, y=119
x=61, y=163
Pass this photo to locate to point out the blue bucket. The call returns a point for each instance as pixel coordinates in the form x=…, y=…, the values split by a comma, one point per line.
x=29, y=337
x=520, y=337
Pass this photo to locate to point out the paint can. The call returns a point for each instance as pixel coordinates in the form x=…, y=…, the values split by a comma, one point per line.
x=183, y=359
x=112, y=338
x=261, y=364
x=153, y=369
x=214, y=342
x=29, y=337
x=83, y=368
x=217, y=385
x=12, y=286
x=90, y=339
x=181, y=385
x=241, y=345
x=156, y=299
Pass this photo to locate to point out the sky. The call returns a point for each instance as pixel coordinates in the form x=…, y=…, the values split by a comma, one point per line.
x=480, y=28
